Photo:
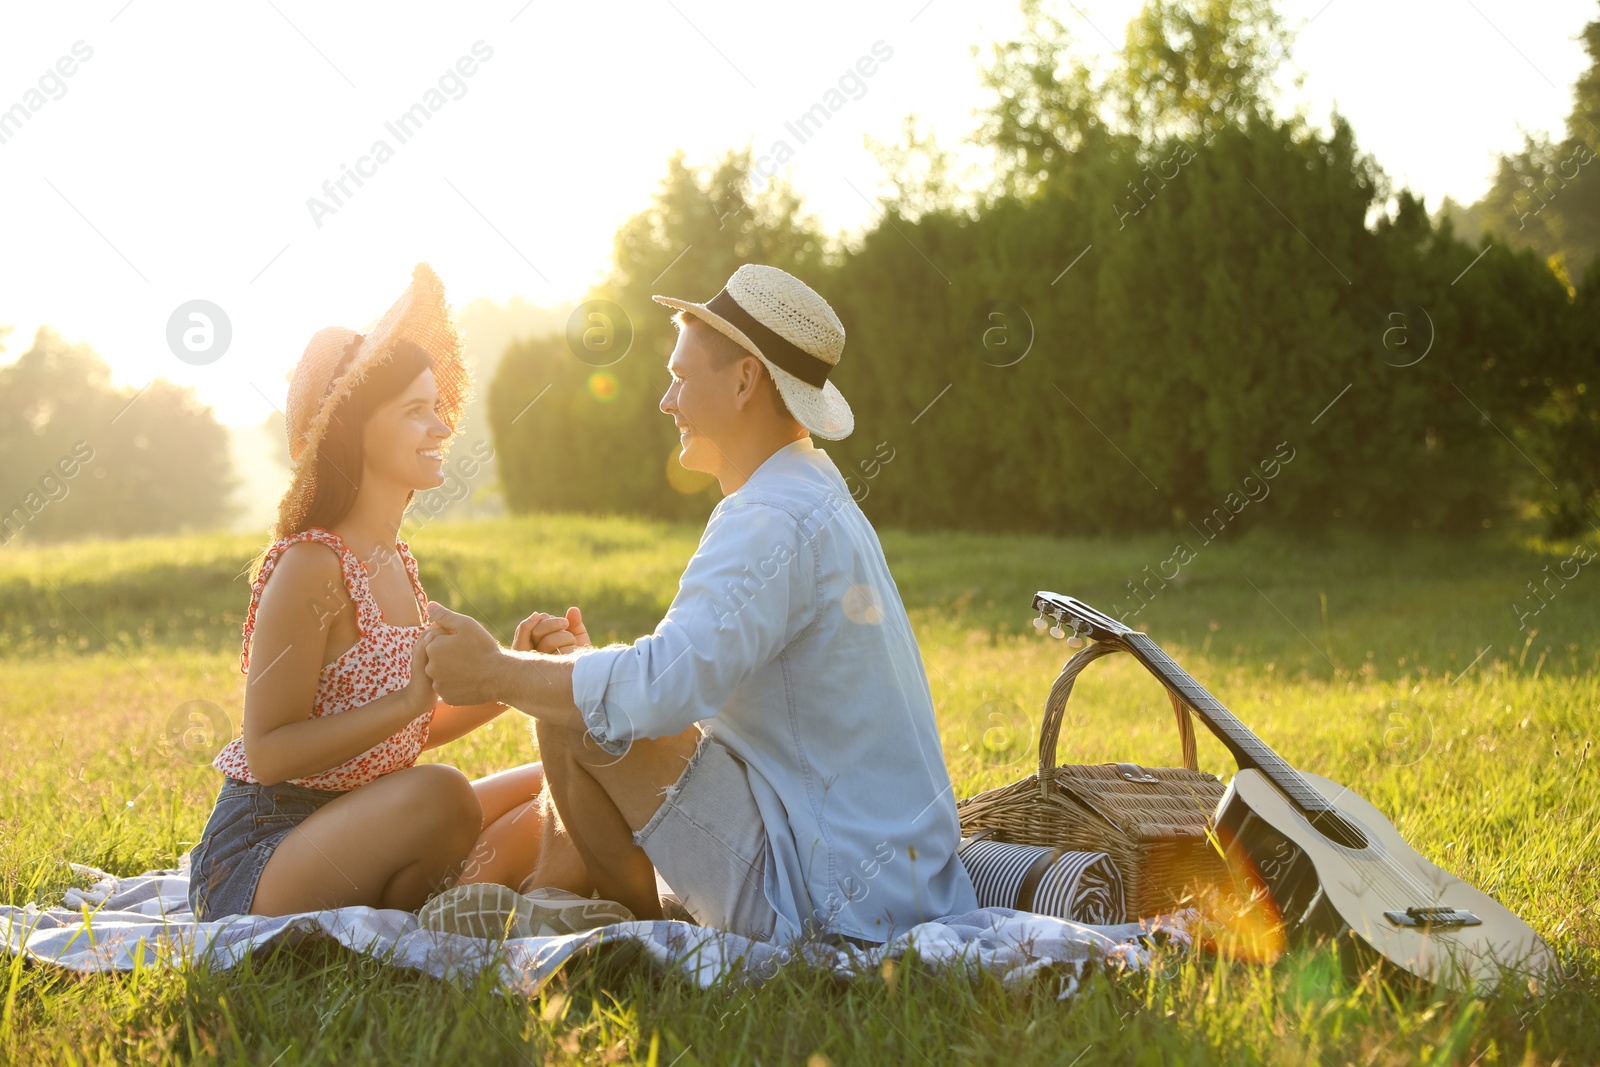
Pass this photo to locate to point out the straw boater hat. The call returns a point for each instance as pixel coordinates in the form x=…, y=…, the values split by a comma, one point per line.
x=327, y=373
x=793, y=331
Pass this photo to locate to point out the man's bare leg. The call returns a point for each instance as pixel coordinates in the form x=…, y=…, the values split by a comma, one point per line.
x=602, y=799
x=557, y=865
x=522, y=836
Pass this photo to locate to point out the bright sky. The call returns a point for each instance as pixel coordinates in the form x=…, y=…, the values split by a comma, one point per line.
x=175, y=162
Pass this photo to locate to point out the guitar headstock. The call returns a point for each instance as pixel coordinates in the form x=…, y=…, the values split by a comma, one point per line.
x=1072, y=614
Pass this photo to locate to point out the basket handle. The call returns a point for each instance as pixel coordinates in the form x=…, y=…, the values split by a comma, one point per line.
x=1056, y=704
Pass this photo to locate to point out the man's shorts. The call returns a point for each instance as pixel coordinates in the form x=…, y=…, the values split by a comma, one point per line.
x=709, y=844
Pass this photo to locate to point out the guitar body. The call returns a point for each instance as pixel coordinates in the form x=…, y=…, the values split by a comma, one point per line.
x=1455, y=934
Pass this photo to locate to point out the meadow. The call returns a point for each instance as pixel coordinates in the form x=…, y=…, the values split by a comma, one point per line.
x=1398, y=668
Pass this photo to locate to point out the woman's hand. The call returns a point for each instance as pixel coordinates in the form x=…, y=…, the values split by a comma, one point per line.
x=420, y=689
x=547, y=634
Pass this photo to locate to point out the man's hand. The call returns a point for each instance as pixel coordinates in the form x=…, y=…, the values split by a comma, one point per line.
x=462, y=657
x=543, y=633
x=576, y=628
x=551, y=634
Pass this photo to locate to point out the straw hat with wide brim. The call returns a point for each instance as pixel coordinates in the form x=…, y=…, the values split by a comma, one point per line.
x=793, y=331
x=331, y=368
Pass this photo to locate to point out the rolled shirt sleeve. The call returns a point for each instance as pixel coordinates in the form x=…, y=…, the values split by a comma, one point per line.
x=588, y=690
x=749, y=587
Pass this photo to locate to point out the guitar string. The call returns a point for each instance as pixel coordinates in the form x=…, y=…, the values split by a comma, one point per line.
x=1384, y=863
x=1293, y=784
x=1451, y=943
x=1402, y=885
x=1383, y=872
x=1383, y=938
x=1406, y=877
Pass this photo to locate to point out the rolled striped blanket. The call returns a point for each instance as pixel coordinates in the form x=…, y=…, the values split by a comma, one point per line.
x=1083, y=886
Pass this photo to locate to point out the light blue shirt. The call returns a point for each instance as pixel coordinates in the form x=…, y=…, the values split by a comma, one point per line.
x=787, y=638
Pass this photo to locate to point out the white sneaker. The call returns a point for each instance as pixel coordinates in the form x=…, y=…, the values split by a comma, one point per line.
x=493, y=912
x=478, y=909
x=554, y=912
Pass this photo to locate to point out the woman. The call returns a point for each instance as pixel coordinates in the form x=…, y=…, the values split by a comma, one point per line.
x=323, y=804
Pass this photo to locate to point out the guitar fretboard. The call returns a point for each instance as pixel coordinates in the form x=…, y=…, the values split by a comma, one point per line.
x=1246, y=747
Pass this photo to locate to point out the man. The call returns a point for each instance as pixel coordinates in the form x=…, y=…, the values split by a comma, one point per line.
x=771, y=748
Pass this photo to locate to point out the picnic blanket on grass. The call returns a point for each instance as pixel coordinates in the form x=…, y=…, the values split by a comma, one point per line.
x=119, y=924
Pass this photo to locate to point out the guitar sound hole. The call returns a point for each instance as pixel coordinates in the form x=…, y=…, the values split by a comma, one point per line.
x=1338, y=829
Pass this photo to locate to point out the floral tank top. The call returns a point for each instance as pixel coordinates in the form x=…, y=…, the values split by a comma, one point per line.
x=379, y=663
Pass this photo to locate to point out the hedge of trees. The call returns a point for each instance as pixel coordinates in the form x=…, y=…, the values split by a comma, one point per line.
x=1167, y=292
x=80, y=456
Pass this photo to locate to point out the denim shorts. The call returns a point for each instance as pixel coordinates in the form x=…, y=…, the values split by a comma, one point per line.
x=247, y=823
x=710, y=845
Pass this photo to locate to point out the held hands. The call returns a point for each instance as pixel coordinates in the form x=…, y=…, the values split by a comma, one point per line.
x=461, y=659
x=551, y=634
x=461, y=656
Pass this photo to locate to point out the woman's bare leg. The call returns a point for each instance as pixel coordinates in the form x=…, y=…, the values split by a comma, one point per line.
x=498, y=793
x=520, y=828
x=390, y=844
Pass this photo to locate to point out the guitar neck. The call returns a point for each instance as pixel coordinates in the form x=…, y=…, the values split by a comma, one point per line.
x=1248, y=749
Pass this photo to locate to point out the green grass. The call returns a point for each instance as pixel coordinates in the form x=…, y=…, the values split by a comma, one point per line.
x=1347, y=656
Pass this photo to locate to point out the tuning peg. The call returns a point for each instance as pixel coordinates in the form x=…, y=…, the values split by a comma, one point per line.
x=1057, y=632
x=1076, y=640
x=1039, y=623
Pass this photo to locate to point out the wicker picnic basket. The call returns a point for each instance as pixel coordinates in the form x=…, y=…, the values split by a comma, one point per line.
x=1152, y=822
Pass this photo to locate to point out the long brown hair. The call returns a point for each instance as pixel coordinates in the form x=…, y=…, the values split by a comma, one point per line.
x=339, y=454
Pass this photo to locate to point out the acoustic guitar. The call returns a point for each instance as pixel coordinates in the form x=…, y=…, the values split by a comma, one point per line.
x=1334, y=865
